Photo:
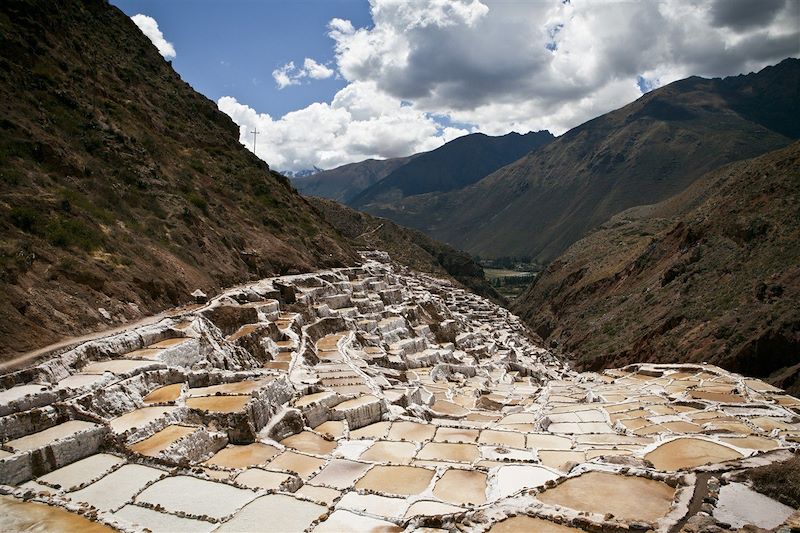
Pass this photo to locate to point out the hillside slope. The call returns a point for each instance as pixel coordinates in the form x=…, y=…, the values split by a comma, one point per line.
x=121, y=188
x=452, y=166
x=712, y=274
x=639, y=154
x=412, y=248
x=345, y=182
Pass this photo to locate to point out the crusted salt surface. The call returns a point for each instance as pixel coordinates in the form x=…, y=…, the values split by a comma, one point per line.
x=739, y=506
x=397, y=399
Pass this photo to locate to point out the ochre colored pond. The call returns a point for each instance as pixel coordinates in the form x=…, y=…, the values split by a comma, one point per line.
x=160, y=441
x=32, y=517
x=168, y=393
x=626, y=497
x=689, y=453
x=517, y=524
x=308, y=442
x=234, y=456
x=218, y=404
x=461, y=487
x=404, y=480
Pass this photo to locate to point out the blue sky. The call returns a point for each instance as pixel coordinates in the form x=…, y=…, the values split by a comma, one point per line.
x=231, y=48
x=330, y=82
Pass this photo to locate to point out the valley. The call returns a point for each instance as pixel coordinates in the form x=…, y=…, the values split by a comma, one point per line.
x=470, y=325
x=374, y=398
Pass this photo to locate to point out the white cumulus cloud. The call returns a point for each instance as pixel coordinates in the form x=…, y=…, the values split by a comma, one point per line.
x=359, y=123
x=289, y=74
x=149, y=27
x=498, y=66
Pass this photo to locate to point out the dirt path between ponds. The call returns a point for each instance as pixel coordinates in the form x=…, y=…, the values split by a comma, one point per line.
x=68, y=343
x=700, y=492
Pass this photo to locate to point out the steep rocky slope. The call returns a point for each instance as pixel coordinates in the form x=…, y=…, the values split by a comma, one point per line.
x=345, y=182
x=642, y=153
x=453, y=166
x=712, y=274
x=409, y=247
x=121, y=188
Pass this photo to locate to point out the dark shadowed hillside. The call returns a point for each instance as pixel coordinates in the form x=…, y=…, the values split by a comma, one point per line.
x=412, y=248
x=712, y=274
x=455, y=165
x=122, y=189
x=642, y=153
x=345, y=182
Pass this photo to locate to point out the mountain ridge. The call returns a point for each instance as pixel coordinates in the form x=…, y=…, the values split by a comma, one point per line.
x=638, y=154
x=711, y=274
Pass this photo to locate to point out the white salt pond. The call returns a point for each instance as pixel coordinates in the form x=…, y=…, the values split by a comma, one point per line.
x=196, y=496
x=274, y=512
x=117, y=488
x=81, y=472
x=738, y=506
x=47, y=436
x=138, y=418
x=512, y=478
x=144, y=518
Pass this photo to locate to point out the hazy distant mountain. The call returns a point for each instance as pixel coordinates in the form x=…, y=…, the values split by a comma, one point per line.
x=642, y=153
x=344, y=183
x=304, y=173
x=452, y=166
x=712, y=274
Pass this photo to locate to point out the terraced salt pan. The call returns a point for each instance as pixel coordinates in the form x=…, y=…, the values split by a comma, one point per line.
x=390, y=452
x=78, y=381
x=502, y=438
x=304, y=465
x=143, y=518
x=518, y=524
x=378, y=430
x=447, y=434
x=117, y=366
x=242, y=456
x=165, y=394
x=20, y=391
x=544, y=441
x=115, y=489
x=49, y=435
x=751, y=442
x=319, y=494
x=689, y=453
x=513, y=478
x=275, y=512
x=161, y=440
x=400, y=480
x=335, y=428
x=461, y=487
x=139, y=418
x=342, y=520
x=374, y=504
x=81, y=472
x=196, y=496
x=442, y=451
x=238, y=387
x=256, y=478
x=411, y=431
x=430, y=507
x=340, y=474
x=560, y=459
x=626, y=497
x=218, y=404
x=16, y=515
x=738, y=506
x=309, y=442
